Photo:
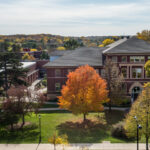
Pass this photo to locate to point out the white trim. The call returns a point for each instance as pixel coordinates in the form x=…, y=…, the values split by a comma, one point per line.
x=135, y=84
x=113, y=45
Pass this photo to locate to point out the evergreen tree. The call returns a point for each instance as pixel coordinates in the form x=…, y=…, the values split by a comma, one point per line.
x=11, y=70
x=44, y=55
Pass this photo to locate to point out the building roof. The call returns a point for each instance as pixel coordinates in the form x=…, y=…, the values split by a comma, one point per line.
x=132, y=45
x=60, y=52
x=28, y=64
x=79, y=57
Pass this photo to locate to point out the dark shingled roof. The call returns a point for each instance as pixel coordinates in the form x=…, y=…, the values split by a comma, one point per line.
x=80, y=56
x=131, y=46
x=60, y=52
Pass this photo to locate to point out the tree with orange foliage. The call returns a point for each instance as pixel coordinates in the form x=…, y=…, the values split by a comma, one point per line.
x=84, y=91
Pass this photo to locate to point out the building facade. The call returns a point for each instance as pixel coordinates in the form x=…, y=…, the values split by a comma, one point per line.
x=130, y=56
x=32, y=73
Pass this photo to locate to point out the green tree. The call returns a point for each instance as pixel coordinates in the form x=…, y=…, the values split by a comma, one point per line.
x=44, y=55
x=147, y=68
x=140, y=109
x=11, y=70
x=71, y=44
x=144, y=35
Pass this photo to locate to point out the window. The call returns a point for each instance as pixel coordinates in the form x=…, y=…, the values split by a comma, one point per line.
x=124, y=59
x=124, y=72
x=114, y=59
x=137, y=59
x=57, y=87
x=57, y=73
x=136, y=72
x=148, y=57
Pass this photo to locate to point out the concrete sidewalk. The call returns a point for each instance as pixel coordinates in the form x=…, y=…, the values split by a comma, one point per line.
x=102, y=146
x=106, y=108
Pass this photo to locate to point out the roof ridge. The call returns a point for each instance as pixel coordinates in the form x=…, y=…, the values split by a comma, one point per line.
x=113, y=45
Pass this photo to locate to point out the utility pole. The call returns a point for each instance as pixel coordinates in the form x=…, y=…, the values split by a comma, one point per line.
x=138, y=127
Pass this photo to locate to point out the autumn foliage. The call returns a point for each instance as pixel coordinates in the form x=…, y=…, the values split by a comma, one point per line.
x=144, y=35
x=107, y=42
x=147, y=68
x=84, y=91
x=140, y=109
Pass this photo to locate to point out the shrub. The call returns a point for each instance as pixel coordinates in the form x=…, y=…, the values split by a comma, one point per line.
x=44, y=82
x=101, y=45
x=61, y=48
x=118, y=130
x=125, y=102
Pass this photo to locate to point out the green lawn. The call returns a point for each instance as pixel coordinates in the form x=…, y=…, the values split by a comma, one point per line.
x=66, y=123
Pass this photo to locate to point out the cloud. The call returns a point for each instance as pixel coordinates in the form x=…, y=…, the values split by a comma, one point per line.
x=59, y=15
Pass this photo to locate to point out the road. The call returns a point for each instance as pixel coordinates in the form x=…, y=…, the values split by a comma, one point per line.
x=102, y=146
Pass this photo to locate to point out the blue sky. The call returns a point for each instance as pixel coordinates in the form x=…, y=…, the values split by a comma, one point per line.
x=74, y=17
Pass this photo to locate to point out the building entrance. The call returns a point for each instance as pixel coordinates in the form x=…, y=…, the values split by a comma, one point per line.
x=135, y=93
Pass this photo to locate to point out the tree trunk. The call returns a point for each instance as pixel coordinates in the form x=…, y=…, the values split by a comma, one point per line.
x=110, y=106
x=109, y=95
x=84, y=117
x=147, y=136
x=23, y=121
x=12, y=127
x=147, y=142
x=6, y=76
x=54, y=146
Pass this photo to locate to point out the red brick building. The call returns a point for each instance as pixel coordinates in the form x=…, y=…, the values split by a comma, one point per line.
x=130, y=55
x=33, y=71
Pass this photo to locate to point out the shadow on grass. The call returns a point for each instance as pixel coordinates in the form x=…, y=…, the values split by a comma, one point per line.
x=114, y=116
x=26, y=135
x=79, y=132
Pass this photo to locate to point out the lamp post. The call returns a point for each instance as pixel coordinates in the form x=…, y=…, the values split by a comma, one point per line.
x=40, y=128
x=138, y=127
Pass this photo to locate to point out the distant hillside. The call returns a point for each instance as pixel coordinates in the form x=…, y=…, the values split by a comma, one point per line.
x=53, y=42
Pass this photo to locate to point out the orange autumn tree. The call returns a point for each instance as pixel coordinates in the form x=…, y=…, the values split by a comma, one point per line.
x=84, y=91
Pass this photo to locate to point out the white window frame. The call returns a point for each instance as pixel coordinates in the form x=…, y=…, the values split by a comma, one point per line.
x=137, y=73
x=57, y=72
x=135, y=58
x=114, y=60
x=57, y=85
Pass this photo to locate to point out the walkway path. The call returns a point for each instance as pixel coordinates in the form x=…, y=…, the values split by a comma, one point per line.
x=106, y=108
x=102, y=146
x=32, y=87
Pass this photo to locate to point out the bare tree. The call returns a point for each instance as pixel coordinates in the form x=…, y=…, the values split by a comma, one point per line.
x=115, y=81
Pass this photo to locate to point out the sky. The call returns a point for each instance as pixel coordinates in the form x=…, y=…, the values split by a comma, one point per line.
x=74, y=17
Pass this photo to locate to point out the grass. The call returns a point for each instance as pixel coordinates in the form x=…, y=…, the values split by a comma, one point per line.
x=95, y=131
